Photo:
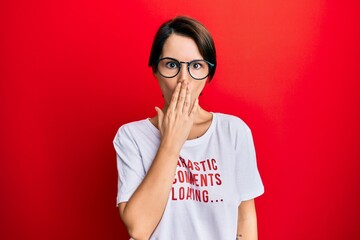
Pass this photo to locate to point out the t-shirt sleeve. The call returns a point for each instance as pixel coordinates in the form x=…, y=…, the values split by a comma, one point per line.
x=129, y=164
x=249, y=183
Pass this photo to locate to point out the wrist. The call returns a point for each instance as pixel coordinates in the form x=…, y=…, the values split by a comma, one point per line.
x=169, y=148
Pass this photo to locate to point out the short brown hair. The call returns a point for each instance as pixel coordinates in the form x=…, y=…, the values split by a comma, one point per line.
x=187, y=27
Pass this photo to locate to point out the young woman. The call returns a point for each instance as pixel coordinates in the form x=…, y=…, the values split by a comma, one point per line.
x=186, y=173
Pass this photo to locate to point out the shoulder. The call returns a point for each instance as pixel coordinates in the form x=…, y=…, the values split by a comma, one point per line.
x=231, y=122
x=234, y=130
x=133, y=126
x=132, y=129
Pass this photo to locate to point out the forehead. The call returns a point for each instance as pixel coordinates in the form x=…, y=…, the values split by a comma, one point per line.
x=180, y=47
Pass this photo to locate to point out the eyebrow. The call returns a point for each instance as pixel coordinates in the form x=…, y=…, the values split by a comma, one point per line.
x=196, y=59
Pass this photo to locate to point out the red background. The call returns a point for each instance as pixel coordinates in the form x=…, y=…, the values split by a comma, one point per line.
x=73, y=71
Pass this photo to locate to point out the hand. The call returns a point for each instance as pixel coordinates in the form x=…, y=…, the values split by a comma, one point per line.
x=176, y=123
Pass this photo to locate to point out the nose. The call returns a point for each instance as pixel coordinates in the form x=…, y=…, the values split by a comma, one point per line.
x=184, y=75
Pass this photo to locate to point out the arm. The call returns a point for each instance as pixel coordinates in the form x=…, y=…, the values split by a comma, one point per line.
x=143, y=211
x=247, y=224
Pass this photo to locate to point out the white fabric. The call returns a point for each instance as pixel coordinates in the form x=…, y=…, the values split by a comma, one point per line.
x=215, y=173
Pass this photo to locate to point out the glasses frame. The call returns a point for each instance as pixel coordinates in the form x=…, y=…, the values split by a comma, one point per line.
x=211, y=65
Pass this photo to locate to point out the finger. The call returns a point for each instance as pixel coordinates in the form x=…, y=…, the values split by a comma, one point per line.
x=182, y=96
x=174, y=97
x=187, y=103
x=194, y=109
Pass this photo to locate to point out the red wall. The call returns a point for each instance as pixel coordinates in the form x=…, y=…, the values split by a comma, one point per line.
x=71, y=72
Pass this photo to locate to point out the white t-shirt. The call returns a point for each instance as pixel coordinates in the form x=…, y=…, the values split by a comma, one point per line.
x=215, y=173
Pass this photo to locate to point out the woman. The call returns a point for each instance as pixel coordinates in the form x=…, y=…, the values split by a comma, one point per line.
x=186, y=173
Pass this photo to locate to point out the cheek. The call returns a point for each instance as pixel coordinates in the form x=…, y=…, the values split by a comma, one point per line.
x=166, y=85
x=198, y=88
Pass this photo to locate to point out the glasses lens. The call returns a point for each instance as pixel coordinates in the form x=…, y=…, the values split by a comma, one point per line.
x=168, y=67
x=199, y=69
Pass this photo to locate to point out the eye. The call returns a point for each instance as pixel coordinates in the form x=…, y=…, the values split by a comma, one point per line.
x=197, y=65
x=172, y=64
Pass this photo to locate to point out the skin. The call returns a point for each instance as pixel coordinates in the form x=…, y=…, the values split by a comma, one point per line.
x=180, y=119
x=247, y=222
x=183, y=49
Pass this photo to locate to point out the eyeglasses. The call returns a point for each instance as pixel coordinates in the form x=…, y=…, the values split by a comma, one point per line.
x=170, y=67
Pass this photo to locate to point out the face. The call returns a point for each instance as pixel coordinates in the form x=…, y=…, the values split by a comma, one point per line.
x=183, y=49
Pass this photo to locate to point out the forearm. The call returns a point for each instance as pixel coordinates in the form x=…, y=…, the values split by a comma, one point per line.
x=144, y=209
x=247, y=221
x=247, y=230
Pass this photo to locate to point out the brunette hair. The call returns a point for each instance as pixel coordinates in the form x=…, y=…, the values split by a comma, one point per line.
x=187, y=27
